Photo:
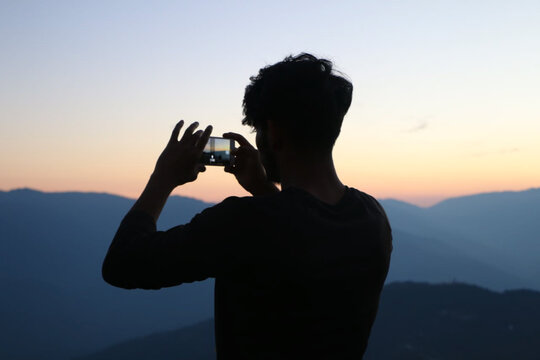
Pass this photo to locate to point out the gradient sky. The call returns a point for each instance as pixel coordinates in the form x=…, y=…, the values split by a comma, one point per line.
x=446, y=98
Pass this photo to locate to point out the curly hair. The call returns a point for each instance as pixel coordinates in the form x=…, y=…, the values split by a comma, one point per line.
x=304, y=95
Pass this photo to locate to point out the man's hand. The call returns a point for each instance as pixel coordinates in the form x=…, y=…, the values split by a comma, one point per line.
x=179, y=162
x=177, y=165
x=248, y=168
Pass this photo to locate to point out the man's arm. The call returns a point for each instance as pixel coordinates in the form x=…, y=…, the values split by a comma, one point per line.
x=177, y=165
x=153, y=198
x=141, y=257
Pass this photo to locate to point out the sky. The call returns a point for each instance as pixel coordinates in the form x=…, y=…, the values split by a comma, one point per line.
x=445, y=103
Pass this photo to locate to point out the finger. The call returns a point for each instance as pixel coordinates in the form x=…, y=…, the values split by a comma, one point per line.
x=204, y=138
x=237, y=167
x=176, y=131
x=238, y=138
x=189, y=131
x=242, y=152
x=194, y=138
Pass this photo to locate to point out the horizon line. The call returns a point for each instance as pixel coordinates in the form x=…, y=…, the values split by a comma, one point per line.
x=26, y=188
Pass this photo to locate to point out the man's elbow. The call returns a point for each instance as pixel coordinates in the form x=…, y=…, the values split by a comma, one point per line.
x=114, y=273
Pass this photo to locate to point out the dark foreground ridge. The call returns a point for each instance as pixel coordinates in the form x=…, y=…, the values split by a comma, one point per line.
x=415, y=321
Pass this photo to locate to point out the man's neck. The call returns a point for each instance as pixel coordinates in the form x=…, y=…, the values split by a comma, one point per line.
x=319, y=178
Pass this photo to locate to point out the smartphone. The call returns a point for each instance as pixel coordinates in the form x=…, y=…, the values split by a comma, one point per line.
x=217, y=151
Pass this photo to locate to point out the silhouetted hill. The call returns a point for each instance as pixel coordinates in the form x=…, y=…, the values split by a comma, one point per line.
x=415, y=321
x=194, y=342
x=455, y=321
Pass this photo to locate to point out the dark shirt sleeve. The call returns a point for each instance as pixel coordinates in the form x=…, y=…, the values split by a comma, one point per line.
x=141, y=257
x=387, y=243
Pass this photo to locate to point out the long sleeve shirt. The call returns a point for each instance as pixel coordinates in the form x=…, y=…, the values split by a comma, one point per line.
x=294, y=277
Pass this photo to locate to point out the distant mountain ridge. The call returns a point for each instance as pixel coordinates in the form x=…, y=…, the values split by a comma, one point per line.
x=415, y=321
x=493, y=198
x=499, y=230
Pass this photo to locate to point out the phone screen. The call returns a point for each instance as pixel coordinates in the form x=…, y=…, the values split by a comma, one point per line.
x=217, y=151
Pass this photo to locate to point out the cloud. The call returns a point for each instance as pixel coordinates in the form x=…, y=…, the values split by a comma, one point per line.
x=421, y=126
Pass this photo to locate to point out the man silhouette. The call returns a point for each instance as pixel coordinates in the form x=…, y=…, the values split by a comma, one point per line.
x=298, y=271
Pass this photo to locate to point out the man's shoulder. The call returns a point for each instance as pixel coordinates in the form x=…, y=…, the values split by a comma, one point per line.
x=244, y=203
x=292, y=197
x=247, y=211
x=261, y=205
x=364, y=196
x=360, y=194
x=369, y=202
x=376, y=206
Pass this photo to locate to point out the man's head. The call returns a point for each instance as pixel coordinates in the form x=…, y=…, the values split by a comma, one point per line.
x=303, y=100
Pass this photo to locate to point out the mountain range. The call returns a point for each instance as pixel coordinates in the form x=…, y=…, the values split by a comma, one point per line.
x=52, y=246
x=490, y=239
x=415, y=321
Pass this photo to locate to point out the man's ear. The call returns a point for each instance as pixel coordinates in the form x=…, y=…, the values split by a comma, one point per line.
x=275, y=136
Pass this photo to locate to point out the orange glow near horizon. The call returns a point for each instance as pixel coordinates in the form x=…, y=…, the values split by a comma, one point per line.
x=386, y=165
x=214, y=185
x=408, y=167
